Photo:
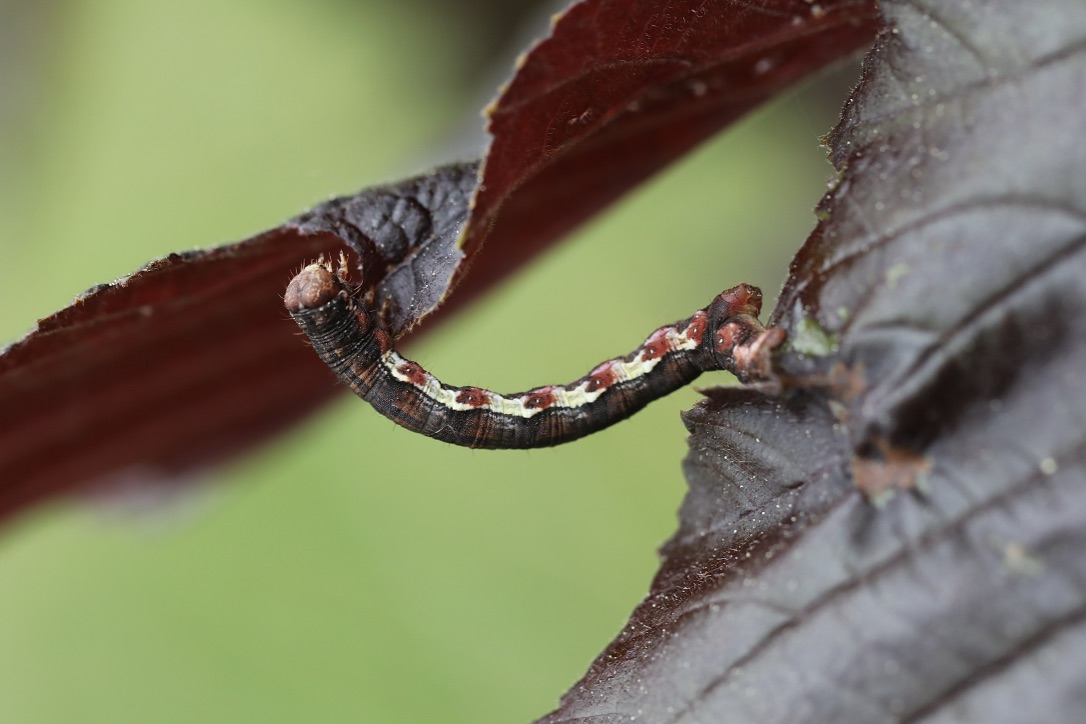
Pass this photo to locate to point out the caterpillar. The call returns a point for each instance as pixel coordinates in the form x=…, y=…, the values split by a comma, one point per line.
x=350, y=338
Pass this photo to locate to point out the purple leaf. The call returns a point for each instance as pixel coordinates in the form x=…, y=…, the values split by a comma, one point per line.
x=900, y=533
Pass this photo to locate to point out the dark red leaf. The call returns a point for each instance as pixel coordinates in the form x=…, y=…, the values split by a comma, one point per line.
x=901, y=534
x=157, y=373
x=621, y=89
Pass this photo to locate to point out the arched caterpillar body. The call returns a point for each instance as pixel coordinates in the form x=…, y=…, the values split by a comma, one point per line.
x=352, y=342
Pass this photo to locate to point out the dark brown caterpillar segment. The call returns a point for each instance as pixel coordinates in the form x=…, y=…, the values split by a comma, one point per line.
x=350, y=340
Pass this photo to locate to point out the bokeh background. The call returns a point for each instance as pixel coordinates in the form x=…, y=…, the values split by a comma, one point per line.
x=349, y=571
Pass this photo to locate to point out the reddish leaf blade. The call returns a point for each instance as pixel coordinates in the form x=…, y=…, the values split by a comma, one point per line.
x=193, y=358
x=621, y=89
x=163, y=372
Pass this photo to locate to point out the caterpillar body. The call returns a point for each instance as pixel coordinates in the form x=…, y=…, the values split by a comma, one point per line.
x=350, y=339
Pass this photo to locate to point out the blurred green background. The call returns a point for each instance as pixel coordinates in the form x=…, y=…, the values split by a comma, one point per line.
x=350, y=571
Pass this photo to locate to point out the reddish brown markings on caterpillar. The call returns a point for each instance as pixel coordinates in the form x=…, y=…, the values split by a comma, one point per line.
x=695, y=330
x=383, y=338
x=350, y=338
x=540, y=399
x=473, y=397
x=726, y=336
x=655, y=346
x=412, y=372
x=743, y=300
x=602, y=377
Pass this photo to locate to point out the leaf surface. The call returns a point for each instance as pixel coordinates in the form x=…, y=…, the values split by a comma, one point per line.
x=900, y=533
x=620, y=89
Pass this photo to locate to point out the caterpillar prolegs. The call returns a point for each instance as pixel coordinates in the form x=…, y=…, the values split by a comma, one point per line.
x=352, y=342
